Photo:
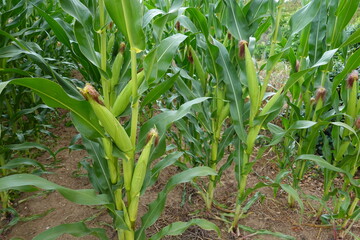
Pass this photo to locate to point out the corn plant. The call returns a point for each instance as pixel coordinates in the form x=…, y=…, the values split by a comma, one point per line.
x=116, y=171
x=313, y=97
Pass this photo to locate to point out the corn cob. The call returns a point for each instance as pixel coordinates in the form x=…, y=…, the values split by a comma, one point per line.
x=123, y=99
x=107, y=120
x=139, y=176
x=116, y=68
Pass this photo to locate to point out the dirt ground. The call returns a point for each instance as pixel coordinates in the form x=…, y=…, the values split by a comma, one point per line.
x=272, y=214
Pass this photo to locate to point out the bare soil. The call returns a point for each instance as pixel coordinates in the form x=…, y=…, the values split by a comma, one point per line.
x=272, y=213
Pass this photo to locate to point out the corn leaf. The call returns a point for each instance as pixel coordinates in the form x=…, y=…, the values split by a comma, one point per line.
x=160, y=89
x=324, y=164
x=235, y=20
x=317, y=34
x=178, y=228
x=165, y=162
x=293, y=193
x=79, y=11
x=128, y=17
x=54, y=96
x=157, y=62
x=19, y=162
x=98, y=171
x=304, y=16
x=59, y=31
x=353, y=39
x=86, y=44
x=81, y=196
x=234, y=90
x=30, y=145
x=266, y=232
x=78, y=229
x=157, y=206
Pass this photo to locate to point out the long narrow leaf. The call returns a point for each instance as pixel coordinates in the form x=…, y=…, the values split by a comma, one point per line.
x=81, y=196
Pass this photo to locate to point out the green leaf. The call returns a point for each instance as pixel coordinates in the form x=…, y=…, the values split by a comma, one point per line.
x=86, y=43
x=150, y=15
x=344, y=12
x=157, y=206
x=59, y=31
x=165, y=162
x=293, y=193
x=178, y=228
x=98, y=171
x=326, y=57
x=234, y=90
x=317, y=34
x=163, y=120
x=18, y=162
x=79, y=11
x=14, y=70
x=353, y=39
x=10, y=52
x=29, y=145
x=324, y=164
x=81, y=196
x=235, y=20
x=54, y=96
x=344, y=125
x=160, y=89
x=266, y=232
x=78, y=229
x=303, y=124
x=262, y=29
x=199, y=20
x=128, y=17
x=304, y=16
x=157, y=62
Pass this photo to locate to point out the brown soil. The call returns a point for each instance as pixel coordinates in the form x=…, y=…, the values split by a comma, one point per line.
x=272, y=214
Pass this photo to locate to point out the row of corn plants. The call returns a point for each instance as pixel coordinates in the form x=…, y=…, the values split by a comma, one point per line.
x=24, y=118
x=200, y=58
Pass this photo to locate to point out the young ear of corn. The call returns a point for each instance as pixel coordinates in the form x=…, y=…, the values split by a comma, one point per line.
x=123, y=99
x=117, y=134
x=111, y=125
x=139, y=176
x=116, y=69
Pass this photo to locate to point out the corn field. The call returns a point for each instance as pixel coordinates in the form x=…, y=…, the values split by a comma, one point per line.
x=208, y=89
